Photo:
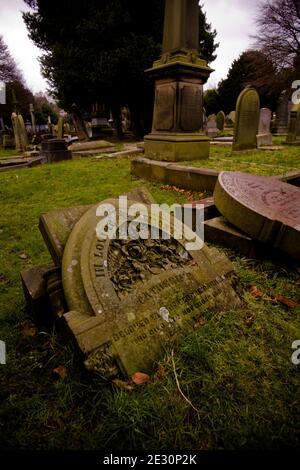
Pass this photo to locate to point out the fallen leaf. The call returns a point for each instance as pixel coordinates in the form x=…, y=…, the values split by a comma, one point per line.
x=28, y=329
x=123, y=384
x=255, y=292
x=249, y=319
x=61, y=371
x=139, y=378
x=285, y=301
x=23, y=256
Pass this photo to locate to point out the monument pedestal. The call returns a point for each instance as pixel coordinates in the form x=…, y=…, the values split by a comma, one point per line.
x=177, y=147
x=177, y=129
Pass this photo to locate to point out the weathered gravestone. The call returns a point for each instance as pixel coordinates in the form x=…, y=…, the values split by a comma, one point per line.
x=55, y=150
x=293, y=137
x=177, y=128
x=266, y=209
x=282, y=114
x=128, y=298
x=60, y=128
x=221, y=120
x=264, y=136
x=246, y=122
x=211, y=127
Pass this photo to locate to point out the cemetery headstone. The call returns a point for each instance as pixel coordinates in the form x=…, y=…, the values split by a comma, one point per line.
x=55, y=150
x=60, y=128
x=293, y=137
x=221, y=120
x=17, y=131
x=211, y=126
x=266, y=209
x=264, y=136
x=128, y=298
x=246, y=120
x=282, y=114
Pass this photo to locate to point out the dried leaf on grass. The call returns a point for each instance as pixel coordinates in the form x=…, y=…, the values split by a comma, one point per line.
x=139, y=378
x=61, y=371
x=285, y=301
x=256, y=293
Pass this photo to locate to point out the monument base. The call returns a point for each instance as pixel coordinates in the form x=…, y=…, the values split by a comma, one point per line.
x=264, y=139
x=177, y=147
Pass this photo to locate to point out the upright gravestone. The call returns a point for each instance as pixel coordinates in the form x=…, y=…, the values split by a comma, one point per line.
x=17, y=132
x=266, y=209
x=221, y=120
x=293, y=137
x=246, y=120
x=177, y=129
x=211, y=126
x=60, y=128
x=282, y=115
x=23, y=133
x=264, y=136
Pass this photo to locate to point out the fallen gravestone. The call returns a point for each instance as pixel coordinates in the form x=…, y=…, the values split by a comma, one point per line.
x=246, y=123
x=266, y=209
x=264, y=137
x=128, y=298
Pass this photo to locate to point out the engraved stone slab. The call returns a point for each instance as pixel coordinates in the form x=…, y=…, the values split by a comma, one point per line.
x=165, y=103
x=246, y=123
x=129, y=298
x=264, y=208
x=191, y=107
x=56, y=226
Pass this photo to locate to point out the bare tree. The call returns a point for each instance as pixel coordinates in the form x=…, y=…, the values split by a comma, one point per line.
x=278, y=34
x=8, y=68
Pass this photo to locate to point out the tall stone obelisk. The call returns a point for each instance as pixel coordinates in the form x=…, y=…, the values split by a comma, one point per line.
x=177, y=128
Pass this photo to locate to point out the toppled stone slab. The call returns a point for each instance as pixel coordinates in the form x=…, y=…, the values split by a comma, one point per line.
x=220, y=232
x=264, y=208
x=186, y=177
x=129, y=298
x=18, y=163
x=90, y=145
x=35, y=289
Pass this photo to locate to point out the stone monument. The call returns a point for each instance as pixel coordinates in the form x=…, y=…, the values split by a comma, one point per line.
x=282, y=114
x=127, y=298
x=264, y=136
x=266, y=209
x=246, y=120
x=55, y=150
x=177, y=128
x=293, y=137
x=221, y=120
x=211, y=126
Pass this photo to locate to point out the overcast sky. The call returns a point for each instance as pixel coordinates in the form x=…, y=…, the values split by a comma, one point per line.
x=233, y=20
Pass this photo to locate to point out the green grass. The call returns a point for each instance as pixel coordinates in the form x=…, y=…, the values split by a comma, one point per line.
x=4, y=153
x=236, y=368
x=260, y=162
